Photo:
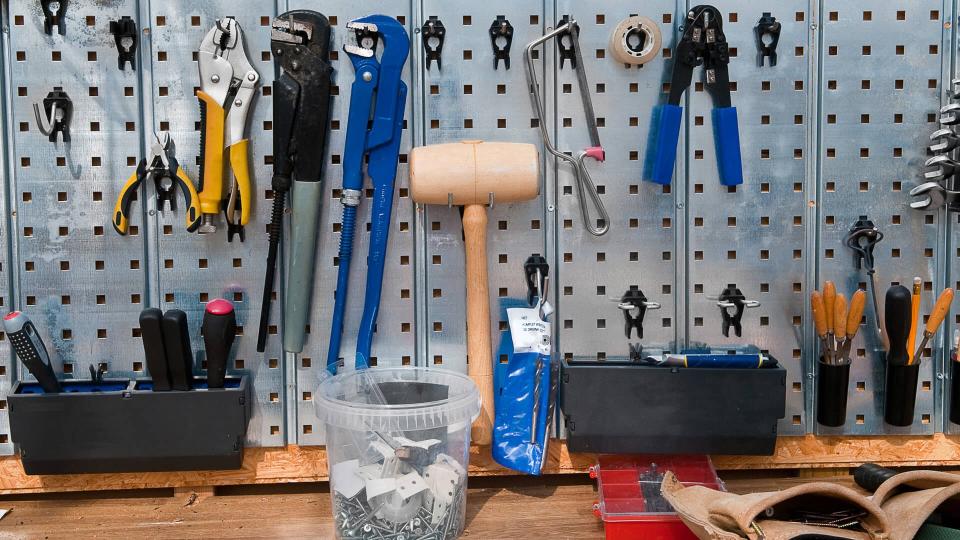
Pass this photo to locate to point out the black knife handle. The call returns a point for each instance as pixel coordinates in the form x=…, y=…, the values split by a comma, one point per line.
x=176, y=338
x=219, y=330
x=897, y=308
x=154, y=350
x=30, y=350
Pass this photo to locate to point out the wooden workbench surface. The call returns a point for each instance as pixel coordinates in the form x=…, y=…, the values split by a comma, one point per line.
x=507, y=507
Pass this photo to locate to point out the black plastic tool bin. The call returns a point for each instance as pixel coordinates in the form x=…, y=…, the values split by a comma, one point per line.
x=623, y=407
x=121, y=425
x=954, y=389
x=833, y=383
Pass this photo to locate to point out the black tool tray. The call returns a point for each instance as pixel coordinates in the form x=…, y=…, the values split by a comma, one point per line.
x=624, y=407
x=121, y=425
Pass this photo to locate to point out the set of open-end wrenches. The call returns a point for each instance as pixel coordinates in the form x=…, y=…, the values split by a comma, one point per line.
x=941, y=185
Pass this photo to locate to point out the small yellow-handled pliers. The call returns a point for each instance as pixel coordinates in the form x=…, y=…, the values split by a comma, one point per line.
x=162, y=166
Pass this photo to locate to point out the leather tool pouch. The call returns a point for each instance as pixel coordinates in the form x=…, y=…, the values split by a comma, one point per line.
x=715, y=515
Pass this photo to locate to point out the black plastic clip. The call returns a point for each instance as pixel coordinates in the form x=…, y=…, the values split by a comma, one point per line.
x=96, y=373
x=125, y=35
x=862, y=238
x=636, y=352
x=50, y=18
x=57, y=109
x=634, y=305
x=501, y=31
x=565, y=45
x=732, y=298
x=535, y=270
x=767, y=33
x=433, y=33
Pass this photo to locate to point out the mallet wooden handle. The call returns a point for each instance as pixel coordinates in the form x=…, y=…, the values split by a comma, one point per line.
x=479, y=351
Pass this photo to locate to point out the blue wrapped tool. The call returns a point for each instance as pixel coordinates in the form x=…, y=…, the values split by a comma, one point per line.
x=522, y=386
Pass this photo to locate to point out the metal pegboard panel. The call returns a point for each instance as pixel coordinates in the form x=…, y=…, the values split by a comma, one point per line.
x=752, y=236
x=394, y=341
x=880, y=71
x=640, y=248
x=7, y=361
x=469, y=99
x=80, y=283
x=193, y=269
x=946, y=371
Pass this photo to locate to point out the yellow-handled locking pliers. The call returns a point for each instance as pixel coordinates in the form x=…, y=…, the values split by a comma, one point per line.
x=227, y=86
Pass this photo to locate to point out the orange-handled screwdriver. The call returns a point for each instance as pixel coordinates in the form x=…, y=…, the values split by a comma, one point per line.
x=820, y=323
x=914, y=318
x=936, y=317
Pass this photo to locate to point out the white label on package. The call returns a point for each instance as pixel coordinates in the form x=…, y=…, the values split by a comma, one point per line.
x=529, y=332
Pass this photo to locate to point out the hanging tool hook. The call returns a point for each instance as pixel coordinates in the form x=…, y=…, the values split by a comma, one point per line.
x=862, y=239
x=501, y=39
x=57, y=109
x=51, y=17
x=767, y=33
x=535, y=271
x=732, y=298
x=634, y=305
x=567, y=35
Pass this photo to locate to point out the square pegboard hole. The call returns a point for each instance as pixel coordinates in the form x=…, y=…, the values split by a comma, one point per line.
x=900, y=50
x=868, y=15
x=534, y=19
x=926, y=386
x=860, y=419
x=834, y=16
x=901, y=15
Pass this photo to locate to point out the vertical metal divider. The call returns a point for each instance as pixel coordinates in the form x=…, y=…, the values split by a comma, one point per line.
x=147, y=121
x=420, y=286
x=944, y=229
x=681, y=198
x=550, y=179
x=813, y=217
x=10, y=220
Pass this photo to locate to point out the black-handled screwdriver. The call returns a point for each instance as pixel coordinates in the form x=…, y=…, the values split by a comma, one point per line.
x=897, y=314
x=154, y=349
x=30, y=350
x=176, y=338
x=219, y=330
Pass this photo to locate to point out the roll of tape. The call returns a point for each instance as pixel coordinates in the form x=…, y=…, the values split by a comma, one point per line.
x=635, y=41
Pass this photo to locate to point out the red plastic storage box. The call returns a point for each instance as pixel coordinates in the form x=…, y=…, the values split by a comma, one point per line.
x=631, y=506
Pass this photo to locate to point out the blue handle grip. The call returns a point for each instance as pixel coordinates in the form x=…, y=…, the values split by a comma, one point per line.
x=376, y=258
x=664, y=143
x=726, y=136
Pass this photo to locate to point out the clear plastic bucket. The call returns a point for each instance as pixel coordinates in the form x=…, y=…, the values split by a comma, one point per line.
x=398, y=441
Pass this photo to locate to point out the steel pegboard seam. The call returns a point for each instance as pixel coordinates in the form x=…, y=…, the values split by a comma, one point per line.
x=148, y=210
x=550, y=179
x=11, y=221
x=812, y=195
x=681, y=201
x=419, y=137
x=945, y=230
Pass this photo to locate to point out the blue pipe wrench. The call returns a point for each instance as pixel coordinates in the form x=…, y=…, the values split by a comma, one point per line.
x=374, y=127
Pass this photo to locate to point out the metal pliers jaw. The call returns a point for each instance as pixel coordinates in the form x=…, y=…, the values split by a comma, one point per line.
x=163, y=168
x=227, y=86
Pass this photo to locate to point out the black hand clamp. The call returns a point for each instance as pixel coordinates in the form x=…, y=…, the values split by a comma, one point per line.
x=535, y=271
x=634, y=305
x=57, y=109
x=501, y=28
x=49, y=17
x=433, y=29
x=125, y=36
x=767, y=26
x=731, y=297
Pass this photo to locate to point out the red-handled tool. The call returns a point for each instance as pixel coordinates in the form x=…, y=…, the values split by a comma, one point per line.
x=219, y=330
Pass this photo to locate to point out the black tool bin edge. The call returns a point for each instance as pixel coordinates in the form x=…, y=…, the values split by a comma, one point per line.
x=623, y=407
x=130, y=430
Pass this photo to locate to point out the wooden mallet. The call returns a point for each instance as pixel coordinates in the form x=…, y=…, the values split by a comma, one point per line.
x=476, y=174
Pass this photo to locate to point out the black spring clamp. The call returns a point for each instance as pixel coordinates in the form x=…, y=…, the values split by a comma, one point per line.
x=433, y=30
x=501, y=38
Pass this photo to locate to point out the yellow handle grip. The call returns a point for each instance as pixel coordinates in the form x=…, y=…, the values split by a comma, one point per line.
x=840, y=316
x=240, y=164
x=940, y=310
x=819, y=314
x=855, y=312
x=829, y=296
x=211, y=182
x=121, y=210
x=191, y=199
